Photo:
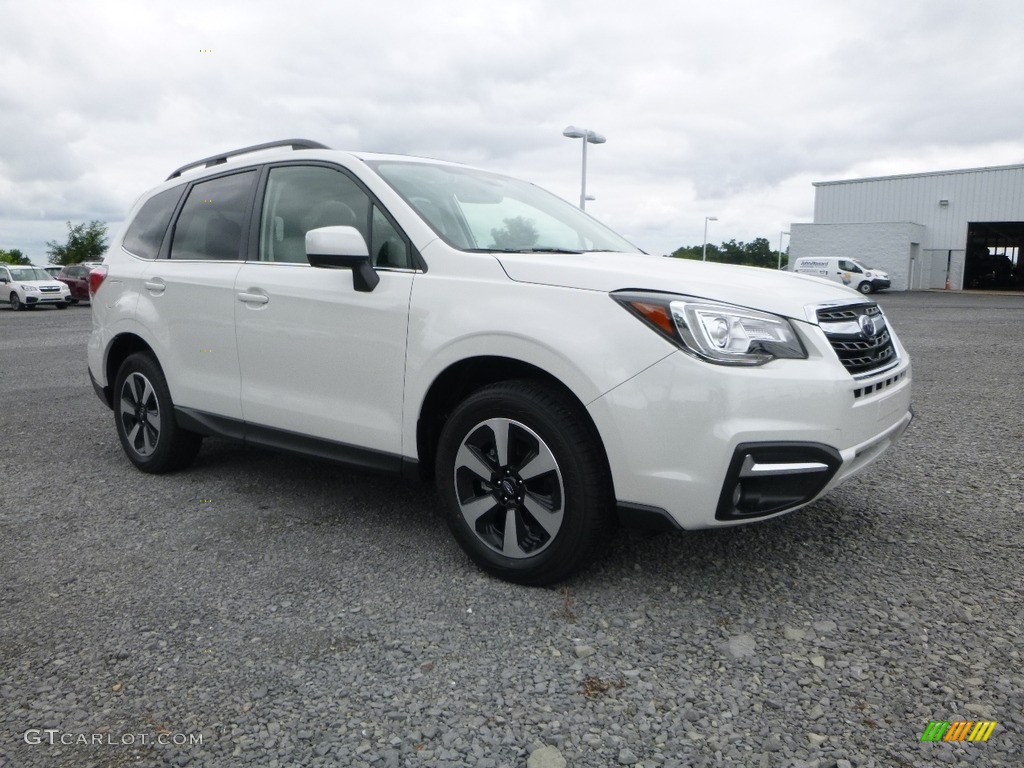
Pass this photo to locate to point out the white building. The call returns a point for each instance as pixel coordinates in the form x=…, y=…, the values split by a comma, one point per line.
x=964, y=226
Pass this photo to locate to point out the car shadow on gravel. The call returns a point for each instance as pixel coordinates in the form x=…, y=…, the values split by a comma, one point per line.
x=283, y=490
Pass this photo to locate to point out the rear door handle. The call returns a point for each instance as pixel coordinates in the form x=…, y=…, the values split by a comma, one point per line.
x=253, y=298
x=155, y=286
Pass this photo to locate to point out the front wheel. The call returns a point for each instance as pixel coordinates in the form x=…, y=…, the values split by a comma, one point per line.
x=865, y=288
x=525, y=482
x=64, y=305
x=144, y=416
x=16, y=304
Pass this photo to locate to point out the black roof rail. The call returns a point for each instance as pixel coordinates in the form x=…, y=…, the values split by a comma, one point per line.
x=223, y=157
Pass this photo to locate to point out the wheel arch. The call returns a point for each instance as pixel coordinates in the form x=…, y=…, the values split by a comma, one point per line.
x=121, y=347
x=460, y=379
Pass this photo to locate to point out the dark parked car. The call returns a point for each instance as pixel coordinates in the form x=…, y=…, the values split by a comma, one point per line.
x=76, y=276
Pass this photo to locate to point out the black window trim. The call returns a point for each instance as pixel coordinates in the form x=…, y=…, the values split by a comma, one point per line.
x=247, y=210
x=252, y=250
x=170, y=223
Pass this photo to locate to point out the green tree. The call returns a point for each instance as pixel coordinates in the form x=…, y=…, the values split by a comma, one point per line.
x=696, y=252
x=14, y=256
x=757, y=253
x=86, y=242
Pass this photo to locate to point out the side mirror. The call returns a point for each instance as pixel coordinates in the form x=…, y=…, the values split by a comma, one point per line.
x=342, y=248
x=3, y=278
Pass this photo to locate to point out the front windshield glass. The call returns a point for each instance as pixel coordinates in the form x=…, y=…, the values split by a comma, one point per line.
x=479, y=211
x=29, y=273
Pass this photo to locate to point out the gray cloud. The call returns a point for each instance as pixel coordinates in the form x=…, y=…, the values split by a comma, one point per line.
x=730, y=109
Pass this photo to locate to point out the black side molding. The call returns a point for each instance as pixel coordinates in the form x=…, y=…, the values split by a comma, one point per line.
x=646, y=518
x=292, y=442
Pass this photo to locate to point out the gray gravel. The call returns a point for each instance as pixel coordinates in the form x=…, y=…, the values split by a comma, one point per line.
x=291, y=613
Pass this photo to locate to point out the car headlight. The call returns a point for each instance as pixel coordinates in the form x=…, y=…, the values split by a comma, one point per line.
x=718, y=333
x=30, y=288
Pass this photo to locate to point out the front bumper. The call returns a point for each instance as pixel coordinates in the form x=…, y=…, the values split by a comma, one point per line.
x=679, y=434
x=33, y=299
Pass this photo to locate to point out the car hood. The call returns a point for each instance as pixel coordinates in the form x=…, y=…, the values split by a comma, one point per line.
x=780, y=292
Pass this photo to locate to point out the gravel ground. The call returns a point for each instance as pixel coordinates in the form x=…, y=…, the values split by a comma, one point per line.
x=289, y=613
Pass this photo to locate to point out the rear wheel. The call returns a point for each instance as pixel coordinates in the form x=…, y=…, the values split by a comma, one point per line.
x=144, y=416
x=525, y=483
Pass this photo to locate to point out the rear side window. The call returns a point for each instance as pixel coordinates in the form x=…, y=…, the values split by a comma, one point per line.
x=150, y=224
x=212, y=219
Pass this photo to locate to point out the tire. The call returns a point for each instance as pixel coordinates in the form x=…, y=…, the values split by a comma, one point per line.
x=75, y=301
x=524, y=452
x=144, y=417
x=65, y=305
x=865, y=288
x=16, y=304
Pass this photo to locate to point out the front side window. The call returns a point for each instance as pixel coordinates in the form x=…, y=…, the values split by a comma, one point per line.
x=849, y=266
x=147, y=230
x=479, y=211
x=300, y=198
x=211, y=221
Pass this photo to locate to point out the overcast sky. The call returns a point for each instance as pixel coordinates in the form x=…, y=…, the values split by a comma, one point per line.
x=728, y=108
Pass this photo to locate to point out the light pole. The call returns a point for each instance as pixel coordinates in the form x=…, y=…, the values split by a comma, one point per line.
x=781, y=235
x=589, y=137
x=704, y=251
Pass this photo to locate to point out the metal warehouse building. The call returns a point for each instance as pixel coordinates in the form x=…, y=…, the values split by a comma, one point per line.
x=965, y=227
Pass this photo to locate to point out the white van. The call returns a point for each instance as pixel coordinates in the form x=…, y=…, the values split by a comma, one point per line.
x=846, y=271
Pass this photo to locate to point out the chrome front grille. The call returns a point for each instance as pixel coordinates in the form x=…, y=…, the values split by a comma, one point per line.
x=860, y=337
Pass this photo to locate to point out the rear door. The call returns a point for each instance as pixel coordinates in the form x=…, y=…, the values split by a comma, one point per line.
x=187, y=298
x=317, y=357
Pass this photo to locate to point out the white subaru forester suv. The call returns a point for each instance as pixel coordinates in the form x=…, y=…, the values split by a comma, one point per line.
x=435, y=320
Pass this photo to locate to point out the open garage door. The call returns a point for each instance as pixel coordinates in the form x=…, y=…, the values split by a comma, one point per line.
x=994, y=255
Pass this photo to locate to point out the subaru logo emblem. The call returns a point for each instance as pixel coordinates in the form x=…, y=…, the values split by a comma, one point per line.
x=867, y=326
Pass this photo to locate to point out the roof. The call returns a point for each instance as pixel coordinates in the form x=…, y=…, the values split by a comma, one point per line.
x=921, y=175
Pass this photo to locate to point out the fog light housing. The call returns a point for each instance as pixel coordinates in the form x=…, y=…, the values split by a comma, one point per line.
x=768, y=478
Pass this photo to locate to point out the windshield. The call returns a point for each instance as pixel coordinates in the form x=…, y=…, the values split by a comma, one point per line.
x=479, y=211
x=29, y=273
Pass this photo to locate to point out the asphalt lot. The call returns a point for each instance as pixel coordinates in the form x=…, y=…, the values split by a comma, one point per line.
x=289, y=612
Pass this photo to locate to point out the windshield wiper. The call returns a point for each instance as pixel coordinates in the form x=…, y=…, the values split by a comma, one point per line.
x=548, y=250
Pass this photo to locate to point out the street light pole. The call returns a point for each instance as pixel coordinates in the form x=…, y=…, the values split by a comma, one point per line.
x=704, y=251
x=589, y=137
x=781, y=235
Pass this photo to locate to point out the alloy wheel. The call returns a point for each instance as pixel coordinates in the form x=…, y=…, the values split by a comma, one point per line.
x=509, y=488
x=140, y=414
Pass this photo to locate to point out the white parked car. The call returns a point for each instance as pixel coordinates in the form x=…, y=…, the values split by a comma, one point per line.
x=27, y=287
x=464, y=327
